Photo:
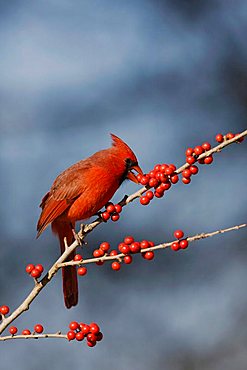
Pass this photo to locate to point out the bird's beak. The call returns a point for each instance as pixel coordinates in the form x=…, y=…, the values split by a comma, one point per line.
x=131, y=176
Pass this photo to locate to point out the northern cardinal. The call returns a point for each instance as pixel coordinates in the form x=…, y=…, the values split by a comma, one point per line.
x=79, y=193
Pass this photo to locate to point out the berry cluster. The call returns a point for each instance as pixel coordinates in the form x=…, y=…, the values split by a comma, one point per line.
x=220, y=138
x=160, y=178
x=34, y=270
x=4, y=310
x=79, y=331
x=181, y=243
x=38, y=329
x=127, y=247
x=111, y=211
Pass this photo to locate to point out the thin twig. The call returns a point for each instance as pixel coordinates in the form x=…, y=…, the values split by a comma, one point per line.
x=34, y=336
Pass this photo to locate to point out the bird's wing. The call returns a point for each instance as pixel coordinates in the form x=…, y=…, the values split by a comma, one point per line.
x=68, y=186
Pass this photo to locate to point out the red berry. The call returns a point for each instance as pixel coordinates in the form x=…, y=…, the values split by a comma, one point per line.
x=74, y=325
x=144, y=244
x=178, y=234
x=219, y=138
x=116, y=266
x=71, y=335
x=26, y=332
x=114, y=252
x=183, y=243
x=85, y=329
x=91, y=337
x=198, y=150
x=193, y=169
x=99, y=263
x=38, y=328
x=79, y=336
x=208, y=160
x=144, y=180
x=148, y=255
x=139, y=176
x=175, y=246
x=169, y=170
x=163, y=167
x=157, y=167
x=13, y=330
x=144, y=200
x=152, y=174
x=118, y=208
x=153, y=182
x=158, y=195
x=91, y=344
x=190, y=159
x=174, y=179
x=105, y=216
x=151, y=243
x=157, y=176
x=4, y=310
x=29, y=268
x=35, y=273
x=163, y=178
x=105, y=246
x=160, y=190
x=240, y=139
x=110, y=208
x=128, y=239
x=186, y=173
x=127, y=259
x=94, y=328
x=206, y=146
x=186, y=180
x=81, y=271
x=149, y=194
x=99, y=336
x=98, y=253
x=171, y=165
x=189, y=152
x=165, y=186
x=115, y=217
x=40, y=268
x=230, y=135
x=78, y=257
x=135, y=247
x=124, y=248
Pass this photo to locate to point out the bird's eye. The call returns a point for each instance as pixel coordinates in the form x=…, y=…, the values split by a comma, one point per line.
x=130, y=163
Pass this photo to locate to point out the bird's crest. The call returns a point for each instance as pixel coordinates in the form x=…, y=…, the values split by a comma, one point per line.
x=123, y=147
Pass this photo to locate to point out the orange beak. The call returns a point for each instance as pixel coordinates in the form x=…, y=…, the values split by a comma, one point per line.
x=131, y=176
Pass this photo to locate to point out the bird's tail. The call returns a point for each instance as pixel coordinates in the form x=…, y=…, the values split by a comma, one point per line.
x=70, y=285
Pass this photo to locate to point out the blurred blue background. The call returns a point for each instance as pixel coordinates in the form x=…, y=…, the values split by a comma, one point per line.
x=162, y=75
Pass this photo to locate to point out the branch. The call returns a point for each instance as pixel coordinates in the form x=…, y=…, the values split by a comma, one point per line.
x=128, y=199
x=119, y=256
x=34, y=336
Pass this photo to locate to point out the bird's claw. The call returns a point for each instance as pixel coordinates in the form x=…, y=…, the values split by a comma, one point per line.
x=77, y=237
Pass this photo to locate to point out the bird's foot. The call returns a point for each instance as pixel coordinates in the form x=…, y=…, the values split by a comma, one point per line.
x=77, y=237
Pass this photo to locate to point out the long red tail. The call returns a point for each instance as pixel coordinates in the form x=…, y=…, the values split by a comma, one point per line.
x=70, y=285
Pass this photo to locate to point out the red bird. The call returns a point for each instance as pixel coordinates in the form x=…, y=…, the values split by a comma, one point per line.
x=79, y=193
